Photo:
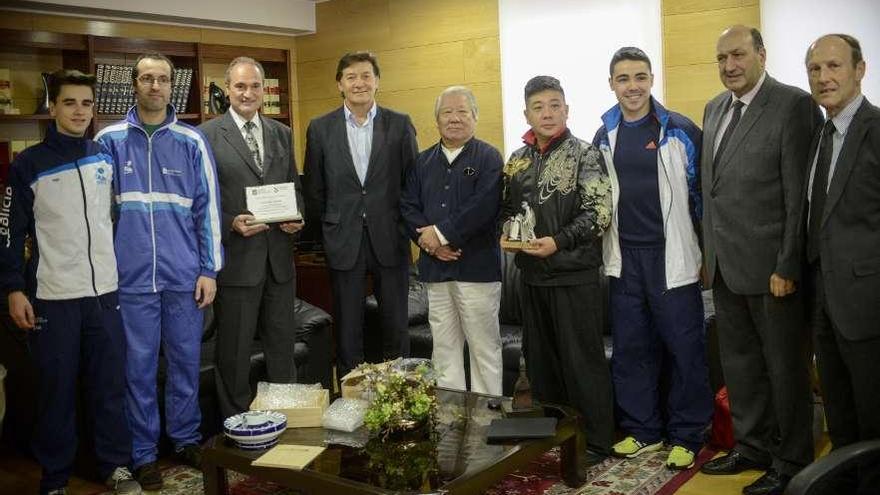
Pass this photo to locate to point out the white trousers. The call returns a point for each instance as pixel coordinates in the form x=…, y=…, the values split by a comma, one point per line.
x=462, y=312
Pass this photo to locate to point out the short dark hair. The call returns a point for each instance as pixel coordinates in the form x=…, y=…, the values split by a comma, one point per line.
x=352, y=58
x=69, y=77
x=757, y=39
x=542, y=83
x=629, y=53
x=854, y=46
x=151, y=56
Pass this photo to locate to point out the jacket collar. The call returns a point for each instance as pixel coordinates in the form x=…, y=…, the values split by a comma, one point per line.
x=134, y=119
x=531, y=140
x=614, y=116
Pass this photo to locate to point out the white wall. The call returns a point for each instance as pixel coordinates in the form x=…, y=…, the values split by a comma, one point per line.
x=572, y=40
x=789, y=26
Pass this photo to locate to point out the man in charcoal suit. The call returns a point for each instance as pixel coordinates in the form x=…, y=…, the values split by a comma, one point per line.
x=258, y=285
x=843, y=249
x=755, y=142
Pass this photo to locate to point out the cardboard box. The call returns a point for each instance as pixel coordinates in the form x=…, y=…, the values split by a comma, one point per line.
x=301, y=417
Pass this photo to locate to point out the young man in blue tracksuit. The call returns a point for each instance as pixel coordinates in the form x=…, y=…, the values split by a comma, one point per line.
x=652, y=256
x=168, y=237
x=59, y=194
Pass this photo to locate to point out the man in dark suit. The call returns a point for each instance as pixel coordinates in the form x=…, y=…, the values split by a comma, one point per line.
x=843, y=247
x=357, y=158
x=257, y=287
x=756, y=139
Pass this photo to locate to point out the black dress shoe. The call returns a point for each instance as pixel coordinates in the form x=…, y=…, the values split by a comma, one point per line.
x=731, y=463
x=772, y=483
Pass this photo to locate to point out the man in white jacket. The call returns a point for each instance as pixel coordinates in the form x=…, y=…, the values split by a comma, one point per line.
x=652, y=256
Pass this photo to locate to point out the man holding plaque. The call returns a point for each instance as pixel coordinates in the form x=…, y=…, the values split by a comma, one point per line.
x=261, y=199
x=563, y=181
x=450, y=204
x=357, y=157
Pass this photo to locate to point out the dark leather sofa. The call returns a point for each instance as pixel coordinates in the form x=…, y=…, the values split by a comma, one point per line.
x=509, y=316
x=511, y=326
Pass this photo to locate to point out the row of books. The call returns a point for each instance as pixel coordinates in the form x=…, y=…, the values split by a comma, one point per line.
x=271, y=97
x=115, y=93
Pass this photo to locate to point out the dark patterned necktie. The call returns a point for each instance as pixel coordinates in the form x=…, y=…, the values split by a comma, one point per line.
x=252, y=144
x=820, y=189
x=734, y=120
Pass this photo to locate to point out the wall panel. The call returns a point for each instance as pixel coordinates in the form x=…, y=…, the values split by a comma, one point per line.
x=690, y=32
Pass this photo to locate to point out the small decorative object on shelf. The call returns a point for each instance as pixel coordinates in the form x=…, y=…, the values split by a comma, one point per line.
x=519, y=229
x=6, y=105
x=43, y=108
x=401, y=395
x=218, y=102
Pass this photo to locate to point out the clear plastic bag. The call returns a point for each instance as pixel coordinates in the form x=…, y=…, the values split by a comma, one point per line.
x=345, y=414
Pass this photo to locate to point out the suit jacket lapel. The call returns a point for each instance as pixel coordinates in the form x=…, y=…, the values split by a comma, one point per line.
x=233, y=136
x=846, y=159
x=379, y=133
x=749, y=118
x=712, y=125
x=270, y=145
x=341, y=132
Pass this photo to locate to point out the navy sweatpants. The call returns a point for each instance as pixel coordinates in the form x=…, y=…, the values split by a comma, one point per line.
x=648, y=321
x=73, y=338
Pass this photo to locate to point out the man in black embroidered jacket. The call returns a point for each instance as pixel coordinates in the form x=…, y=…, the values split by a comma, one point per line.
x=563, y=179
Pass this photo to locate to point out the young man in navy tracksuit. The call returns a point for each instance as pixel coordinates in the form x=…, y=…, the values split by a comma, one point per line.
x=59, y=194
x=652, y=256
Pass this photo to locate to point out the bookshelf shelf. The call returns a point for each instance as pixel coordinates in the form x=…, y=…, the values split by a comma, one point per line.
x=25, y=118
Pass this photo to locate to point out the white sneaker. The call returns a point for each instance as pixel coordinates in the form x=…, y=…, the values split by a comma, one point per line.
x=123, y=482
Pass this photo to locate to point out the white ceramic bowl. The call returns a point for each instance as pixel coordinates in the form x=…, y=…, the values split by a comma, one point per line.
x=254, y=430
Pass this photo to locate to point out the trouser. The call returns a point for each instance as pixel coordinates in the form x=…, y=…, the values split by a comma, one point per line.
x=565, y=357
x=462, y=312
x=390, y=285
x=651, y=324
x=73, y=338
x=174, y=320
x=849, y=372
x=765, y=354
x=267, y=307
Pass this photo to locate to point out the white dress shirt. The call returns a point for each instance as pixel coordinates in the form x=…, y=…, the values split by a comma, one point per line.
x=258, y=130
x=746, y=100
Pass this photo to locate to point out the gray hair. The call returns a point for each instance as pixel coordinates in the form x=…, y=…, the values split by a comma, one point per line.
x=457, y=90
x=244, y=60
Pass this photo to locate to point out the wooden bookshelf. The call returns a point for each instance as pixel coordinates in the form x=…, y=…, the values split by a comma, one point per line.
x=28, y=53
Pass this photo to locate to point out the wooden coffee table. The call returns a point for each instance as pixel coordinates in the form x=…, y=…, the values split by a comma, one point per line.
x=464, y=463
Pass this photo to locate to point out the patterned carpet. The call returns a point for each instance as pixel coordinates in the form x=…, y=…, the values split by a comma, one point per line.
x=645, y=475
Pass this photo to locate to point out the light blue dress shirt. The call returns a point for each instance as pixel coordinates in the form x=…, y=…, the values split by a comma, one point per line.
x=360, y=140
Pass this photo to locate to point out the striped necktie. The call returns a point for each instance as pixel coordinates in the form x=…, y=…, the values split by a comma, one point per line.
x=252, y=144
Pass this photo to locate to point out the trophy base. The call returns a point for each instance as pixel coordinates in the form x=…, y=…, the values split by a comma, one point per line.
x=515, y=245
x=509, y=412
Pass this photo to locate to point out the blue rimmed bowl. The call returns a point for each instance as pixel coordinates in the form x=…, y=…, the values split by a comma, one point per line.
x=255, y=430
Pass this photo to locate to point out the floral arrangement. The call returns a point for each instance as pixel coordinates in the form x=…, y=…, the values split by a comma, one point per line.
x=400, y=400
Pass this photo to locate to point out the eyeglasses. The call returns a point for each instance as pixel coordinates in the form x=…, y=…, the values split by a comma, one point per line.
x=148, y=80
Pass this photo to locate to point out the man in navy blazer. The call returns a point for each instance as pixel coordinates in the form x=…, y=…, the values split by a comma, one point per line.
x=450, y=203
x=843, y=248
x=356, y=162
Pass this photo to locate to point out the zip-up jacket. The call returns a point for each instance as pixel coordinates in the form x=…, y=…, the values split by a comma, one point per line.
x=679, y=187
x=567, y=188
x=168, y=215
x=59, y=193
